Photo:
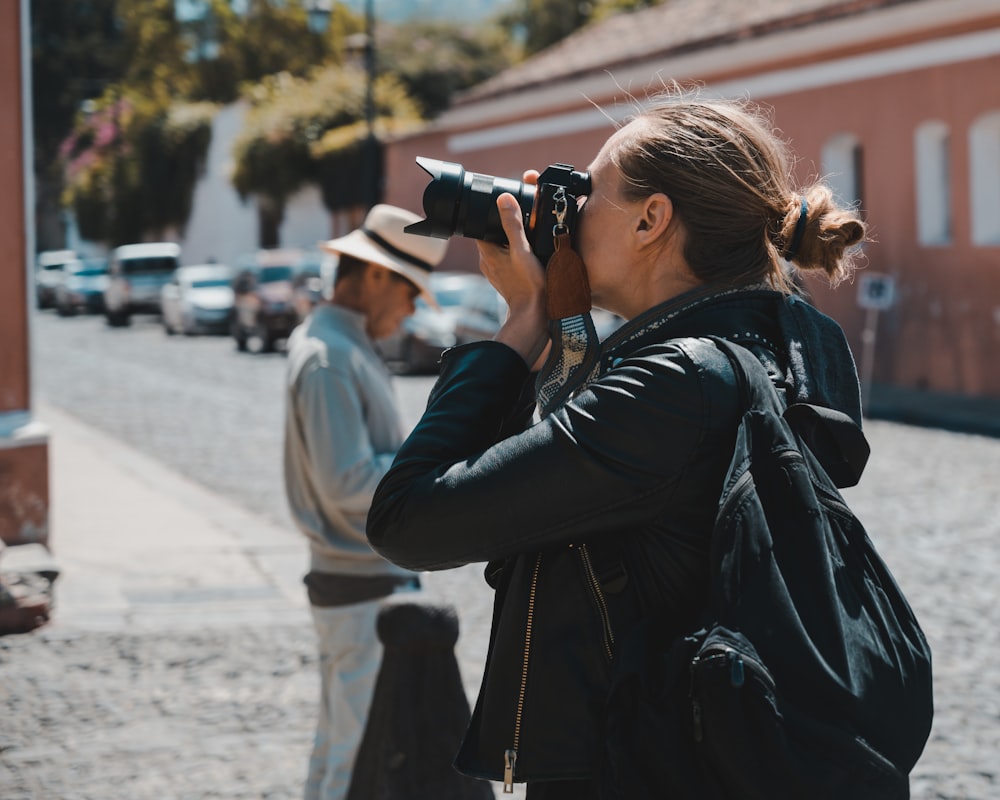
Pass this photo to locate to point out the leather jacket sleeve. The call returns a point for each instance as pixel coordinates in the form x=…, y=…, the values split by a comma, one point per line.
x=635, y=444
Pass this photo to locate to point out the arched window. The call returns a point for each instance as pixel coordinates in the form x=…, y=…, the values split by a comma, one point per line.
x=933, y=183
x=843, y=168
x=984, y=178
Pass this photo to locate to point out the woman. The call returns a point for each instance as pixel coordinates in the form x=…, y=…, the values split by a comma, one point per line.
x=600, y=513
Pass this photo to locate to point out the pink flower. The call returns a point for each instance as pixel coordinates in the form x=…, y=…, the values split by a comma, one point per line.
x=105, y=134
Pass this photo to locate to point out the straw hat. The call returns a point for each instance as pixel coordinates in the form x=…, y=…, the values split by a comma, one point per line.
x=381, y=240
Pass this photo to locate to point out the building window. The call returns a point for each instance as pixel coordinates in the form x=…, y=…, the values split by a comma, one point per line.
x=984, y=178
x=933, y=178
x=843, y=168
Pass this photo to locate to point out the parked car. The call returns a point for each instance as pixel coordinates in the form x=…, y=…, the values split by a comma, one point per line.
x=82, y=286
x=418, y=345
x=483, y=311
x=49, y=265
x=307, y=285
x=136, y=276
x=198, y=298
x=481, y=314
x=273, y=291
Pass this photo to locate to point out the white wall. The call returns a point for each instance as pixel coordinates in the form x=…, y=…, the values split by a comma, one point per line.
x=306, y=220
x=221, y=225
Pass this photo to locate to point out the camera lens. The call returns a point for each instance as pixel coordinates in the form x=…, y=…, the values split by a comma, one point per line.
x=460, y=203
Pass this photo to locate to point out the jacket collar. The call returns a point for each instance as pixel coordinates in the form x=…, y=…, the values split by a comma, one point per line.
x=810, y=345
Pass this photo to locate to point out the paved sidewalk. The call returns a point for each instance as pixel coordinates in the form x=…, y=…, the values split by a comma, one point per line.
x=180, y=660
x=140, y=546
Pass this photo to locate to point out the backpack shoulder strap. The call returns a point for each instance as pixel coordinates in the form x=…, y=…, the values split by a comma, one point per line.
x=832, y=436
x=754, y=384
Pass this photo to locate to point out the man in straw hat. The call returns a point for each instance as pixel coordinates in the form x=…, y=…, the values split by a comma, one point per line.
x=342, y=430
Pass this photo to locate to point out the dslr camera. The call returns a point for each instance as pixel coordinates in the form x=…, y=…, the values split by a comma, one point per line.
x=460, y=203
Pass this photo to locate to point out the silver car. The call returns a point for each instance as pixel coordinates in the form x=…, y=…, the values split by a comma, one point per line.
x=417, y=346
x=198, y=299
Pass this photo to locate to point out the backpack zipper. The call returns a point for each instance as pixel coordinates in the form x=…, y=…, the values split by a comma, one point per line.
x=737, y=677
x=602, y=606
x=510, y=755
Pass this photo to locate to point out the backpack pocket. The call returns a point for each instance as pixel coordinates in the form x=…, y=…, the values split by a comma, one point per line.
x=754, y=745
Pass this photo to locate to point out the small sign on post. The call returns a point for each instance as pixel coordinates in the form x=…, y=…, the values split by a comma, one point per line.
x=876, y=292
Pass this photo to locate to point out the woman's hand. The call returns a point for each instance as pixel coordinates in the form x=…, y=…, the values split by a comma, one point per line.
x=520, y=279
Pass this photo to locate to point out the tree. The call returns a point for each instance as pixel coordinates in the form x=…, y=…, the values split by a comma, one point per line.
x=542, y=23
x=132, y=158
x=225, y=48
x=131, y=164
x=154, y=48
x=311, y=130
x=275, y=37
x=76, y=51
x=435, y=60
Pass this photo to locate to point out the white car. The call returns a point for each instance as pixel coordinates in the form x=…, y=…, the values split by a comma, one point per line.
x=136, y=276
x=424, y=336
x=82, y=287
x=198, y=299
x=49, y=266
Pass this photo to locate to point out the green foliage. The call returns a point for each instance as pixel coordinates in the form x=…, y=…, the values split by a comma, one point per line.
x=314, y=129
x=76, y=50
x=311, y=130
x=131, y=164
x=154, y=48
x=542, y=23
x=435, y=60
x=275, y=37
x=601, y=9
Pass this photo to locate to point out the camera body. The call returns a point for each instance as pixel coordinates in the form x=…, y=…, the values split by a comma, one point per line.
x=460, y=203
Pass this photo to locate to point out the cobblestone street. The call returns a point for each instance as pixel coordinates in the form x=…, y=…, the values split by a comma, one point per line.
x=203, y=706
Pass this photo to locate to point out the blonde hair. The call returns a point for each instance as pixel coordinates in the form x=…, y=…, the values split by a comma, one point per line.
x=729, y=177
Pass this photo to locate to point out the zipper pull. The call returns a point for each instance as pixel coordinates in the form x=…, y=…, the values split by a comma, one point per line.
x=736, y=677
x=696, y=715
x=509, y=759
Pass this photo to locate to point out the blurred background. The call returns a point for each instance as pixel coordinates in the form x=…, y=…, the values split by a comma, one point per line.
x=230, y=126
x=167, y=168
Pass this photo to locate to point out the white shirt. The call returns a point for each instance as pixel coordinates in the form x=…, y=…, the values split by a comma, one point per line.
x=342, y=430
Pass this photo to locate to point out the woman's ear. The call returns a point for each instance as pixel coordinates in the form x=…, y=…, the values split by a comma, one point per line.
x=655, y=215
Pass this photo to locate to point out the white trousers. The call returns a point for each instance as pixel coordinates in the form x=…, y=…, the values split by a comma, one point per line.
x=349, y=658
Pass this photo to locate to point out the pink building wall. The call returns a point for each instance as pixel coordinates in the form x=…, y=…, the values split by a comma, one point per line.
x=943, y=332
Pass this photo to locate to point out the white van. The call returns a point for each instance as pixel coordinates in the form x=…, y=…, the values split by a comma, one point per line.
x=49, y=266
x=136, y=276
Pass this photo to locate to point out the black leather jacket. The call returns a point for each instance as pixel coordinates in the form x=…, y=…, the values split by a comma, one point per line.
x=595, y=517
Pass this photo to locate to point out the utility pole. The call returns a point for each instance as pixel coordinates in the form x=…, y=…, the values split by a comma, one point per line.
x=876, y=292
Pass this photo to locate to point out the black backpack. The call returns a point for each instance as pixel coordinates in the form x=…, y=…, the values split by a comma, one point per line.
x=810, y=677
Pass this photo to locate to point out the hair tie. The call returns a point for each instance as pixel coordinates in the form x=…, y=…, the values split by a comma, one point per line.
x=800, y=229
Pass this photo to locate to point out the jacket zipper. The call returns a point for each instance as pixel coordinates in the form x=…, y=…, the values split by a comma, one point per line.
x=602, y=606
x=510, y=755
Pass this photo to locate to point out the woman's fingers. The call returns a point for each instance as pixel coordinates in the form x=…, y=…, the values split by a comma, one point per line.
x=512, y=222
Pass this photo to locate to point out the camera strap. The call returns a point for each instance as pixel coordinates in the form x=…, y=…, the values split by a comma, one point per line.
x=574, y=357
